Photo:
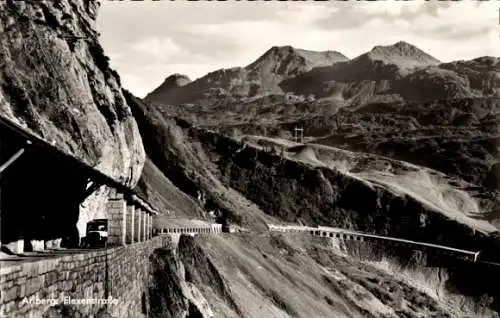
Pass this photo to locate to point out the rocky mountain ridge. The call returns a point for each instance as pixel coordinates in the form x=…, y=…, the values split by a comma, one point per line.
x=398, y=72
x=261, y=77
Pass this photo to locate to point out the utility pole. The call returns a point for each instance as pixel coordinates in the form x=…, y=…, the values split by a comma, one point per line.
x=296, y=135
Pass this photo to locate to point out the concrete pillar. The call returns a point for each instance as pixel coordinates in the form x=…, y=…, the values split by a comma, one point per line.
x=129, y=238
x=137, y=224
x=152, y=222
x=151, y=225
x=144, y=220
x=141, y=224
x=116, y=210
x=150, y=228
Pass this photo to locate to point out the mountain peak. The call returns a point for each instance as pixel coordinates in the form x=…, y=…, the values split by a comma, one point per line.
x=277, y=52
x=277, y=48
x=403, y=44
x=400, y=46
x=402, y=54
x=177, y=80
x=169, y=85
x=289, y=61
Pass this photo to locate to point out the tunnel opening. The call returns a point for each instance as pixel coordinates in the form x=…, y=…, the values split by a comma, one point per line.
x=40, y=196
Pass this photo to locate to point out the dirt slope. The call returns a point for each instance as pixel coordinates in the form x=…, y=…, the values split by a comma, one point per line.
x=292, y=276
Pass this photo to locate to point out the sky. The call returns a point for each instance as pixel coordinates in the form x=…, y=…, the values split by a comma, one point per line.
x=148, y=41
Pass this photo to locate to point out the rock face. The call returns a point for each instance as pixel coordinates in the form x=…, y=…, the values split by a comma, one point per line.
x=171, y=294
x=56, y=82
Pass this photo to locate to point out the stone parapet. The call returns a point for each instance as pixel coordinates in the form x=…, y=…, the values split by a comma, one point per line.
x=30, y=289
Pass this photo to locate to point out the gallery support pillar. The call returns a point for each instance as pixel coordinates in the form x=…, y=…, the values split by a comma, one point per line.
x=129, y=237
x=151, y=226
x=138, y=226
x=117, y=218
x=144, y=220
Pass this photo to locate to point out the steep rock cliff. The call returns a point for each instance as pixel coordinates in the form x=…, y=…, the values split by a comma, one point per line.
x=56, y=82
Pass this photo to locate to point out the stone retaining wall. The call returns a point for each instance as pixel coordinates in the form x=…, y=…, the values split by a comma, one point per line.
x=120, y=272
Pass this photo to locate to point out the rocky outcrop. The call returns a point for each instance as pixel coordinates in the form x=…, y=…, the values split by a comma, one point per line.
x=170, y=293
x=55, y=81
x=483, y=74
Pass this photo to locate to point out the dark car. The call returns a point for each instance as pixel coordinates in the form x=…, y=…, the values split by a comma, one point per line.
x=97, y=234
